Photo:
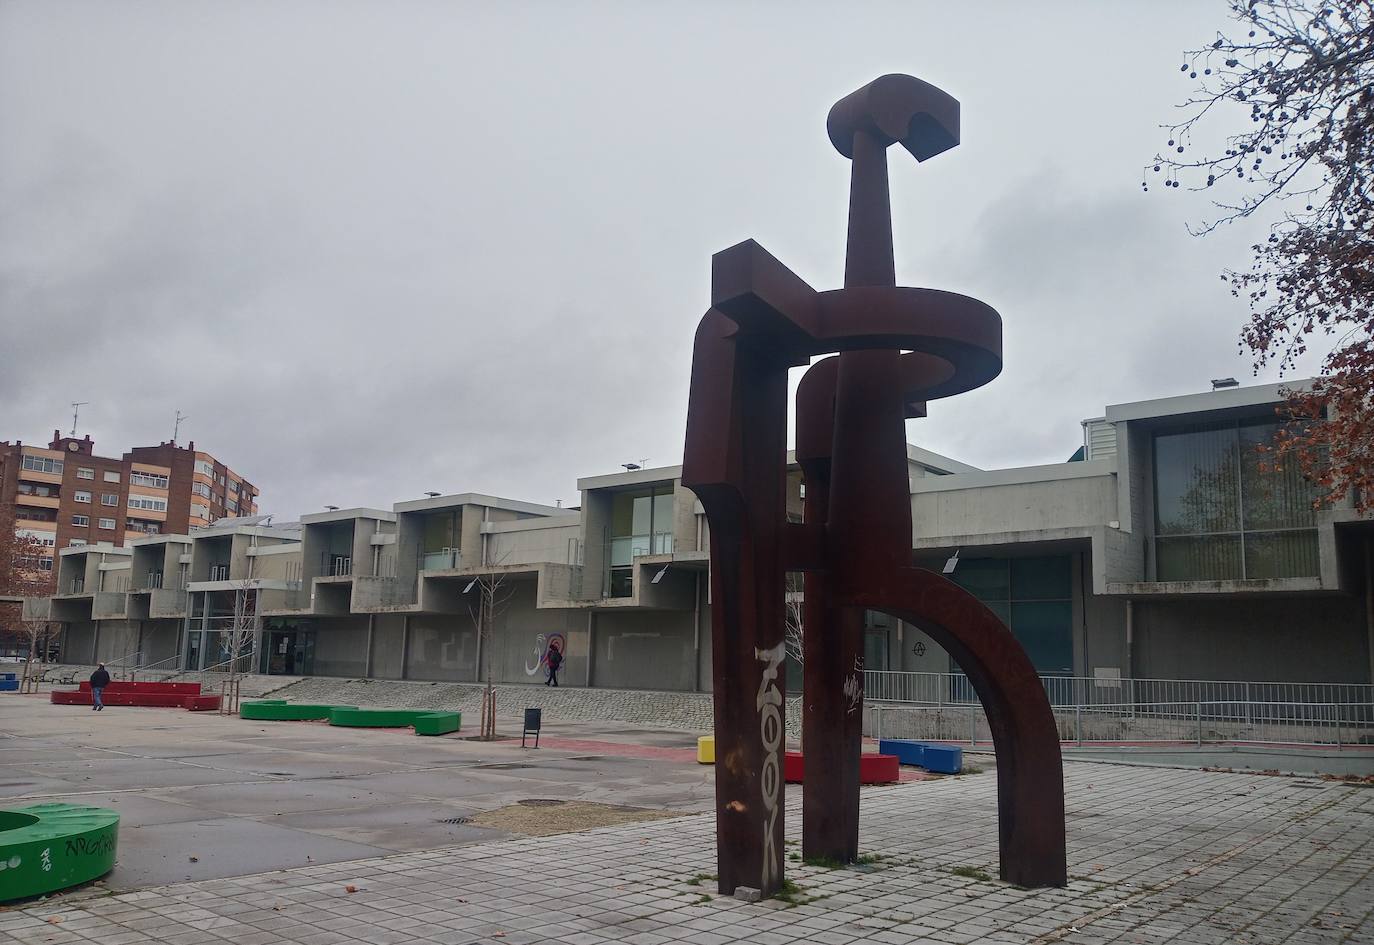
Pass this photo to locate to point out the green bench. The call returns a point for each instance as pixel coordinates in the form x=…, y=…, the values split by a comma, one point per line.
x=424, y=721
x=48, y=847
x=279, y=710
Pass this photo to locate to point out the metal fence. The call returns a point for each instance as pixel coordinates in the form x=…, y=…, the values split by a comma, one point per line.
x=944, y=706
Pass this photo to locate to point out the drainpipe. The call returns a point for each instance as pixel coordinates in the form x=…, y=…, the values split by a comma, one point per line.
x=696, y=628
x=1130, y=638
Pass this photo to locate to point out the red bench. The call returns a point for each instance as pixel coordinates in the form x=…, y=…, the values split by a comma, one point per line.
x=873, y=769
x=150, y=694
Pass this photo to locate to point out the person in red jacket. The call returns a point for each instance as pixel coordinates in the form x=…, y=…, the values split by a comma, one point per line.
x=99, y=680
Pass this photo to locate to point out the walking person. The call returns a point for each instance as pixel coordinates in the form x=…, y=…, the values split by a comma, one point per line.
x=99, y=680
x=555, y=659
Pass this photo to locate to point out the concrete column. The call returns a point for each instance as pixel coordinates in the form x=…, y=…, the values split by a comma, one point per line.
x=371, y=626
x=405, y=646
x=591, y=646
x=95, y=639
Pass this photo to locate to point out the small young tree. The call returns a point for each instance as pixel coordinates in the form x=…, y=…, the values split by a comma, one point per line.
x=243, y=634
x=1291, y=89
x=494, y=592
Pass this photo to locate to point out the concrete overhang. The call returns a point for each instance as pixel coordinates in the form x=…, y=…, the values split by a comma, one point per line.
x=1015, y=476
x=341, y=515
x=632, y=477
x=160, y=540
x=1005, y=544
x=1229, y=399
x=933, y=460
x=476, y=498
x=1293, y=587
x=252, y=584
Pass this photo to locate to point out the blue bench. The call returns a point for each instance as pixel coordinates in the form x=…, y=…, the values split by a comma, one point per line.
x=907, y=751
x=933, y=756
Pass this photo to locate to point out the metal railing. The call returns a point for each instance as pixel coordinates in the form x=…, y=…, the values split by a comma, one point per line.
x=446, y=559
x=170, y=664
x=944, y=706
x=125, y=664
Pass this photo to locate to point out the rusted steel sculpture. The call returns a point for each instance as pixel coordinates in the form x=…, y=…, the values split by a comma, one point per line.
x=897, y=348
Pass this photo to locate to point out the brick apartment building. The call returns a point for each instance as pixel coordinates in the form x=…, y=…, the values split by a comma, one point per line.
x=64, y=494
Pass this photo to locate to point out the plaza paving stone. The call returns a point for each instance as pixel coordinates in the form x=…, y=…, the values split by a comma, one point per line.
x=1155, y=855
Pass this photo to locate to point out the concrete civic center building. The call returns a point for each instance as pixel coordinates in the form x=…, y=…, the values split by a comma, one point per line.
x=1164, y=548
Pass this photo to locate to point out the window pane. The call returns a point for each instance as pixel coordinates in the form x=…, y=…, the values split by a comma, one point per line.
x=1196, y=482
x=622, y=520
x=1210, y=558
x=1277, y=498
x=643, y=509
x=985, y=578
x=1041, y=578
x=1281, y=554
x=1045, y=629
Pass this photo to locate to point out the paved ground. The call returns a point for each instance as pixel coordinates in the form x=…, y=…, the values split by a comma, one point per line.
x=1156, y=854
x=244, y=797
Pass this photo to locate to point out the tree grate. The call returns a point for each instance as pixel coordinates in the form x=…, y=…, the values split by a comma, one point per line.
x=456, y=820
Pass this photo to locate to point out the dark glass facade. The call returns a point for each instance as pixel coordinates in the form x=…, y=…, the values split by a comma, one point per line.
x=1224, y=511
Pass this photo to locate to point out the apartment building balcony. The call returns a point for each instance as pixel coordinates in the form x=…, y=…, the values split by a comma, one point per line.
x=72, y=587
x=166, y=602
x=446, y=559
x=110, y=605
x=37, y=501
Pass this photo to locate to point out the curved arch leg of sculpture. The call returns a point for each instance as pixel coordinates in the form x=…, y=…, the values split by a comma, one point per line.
x=1030, y=775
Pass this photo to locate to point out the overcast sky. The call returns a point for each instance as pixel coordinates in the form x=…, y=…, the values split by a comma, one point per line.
x=377, y=248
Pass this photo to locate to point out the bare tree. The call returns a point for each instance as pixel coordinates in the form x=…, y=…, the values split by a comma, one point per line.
x=22, y=575
x=794, y=618
x=243, y=630
x=494, y=592
x=1292, y=90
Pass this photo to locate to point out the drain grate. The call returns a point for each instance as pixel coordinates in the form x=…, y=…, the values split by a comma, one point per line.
x=541, y=802
x=456, y=820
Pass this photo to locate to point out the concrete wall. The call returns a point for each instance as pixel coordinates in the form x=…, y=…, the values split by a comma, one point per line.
x=522, y=637
x=535, y=541
x=1068, y=495
x=1312, y=639
x=387, y=638
x=644, y=650
x=443, y=647
x=341, y=646
x=160, y=640
x=118, y=640
x=76, y=642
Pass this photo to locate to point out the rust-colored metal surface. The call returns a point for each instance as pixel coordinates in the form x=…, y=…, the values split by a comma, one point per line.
x=896, y=348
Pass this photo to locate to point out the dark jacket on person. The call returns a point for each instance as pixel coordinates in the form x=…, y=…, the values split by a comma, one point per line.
x=555, y=660
x=100, y=679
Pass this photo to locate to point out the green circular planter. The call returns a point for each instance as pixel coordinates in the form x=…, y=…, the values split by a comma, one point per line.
x=279, y=710
x=47, y=847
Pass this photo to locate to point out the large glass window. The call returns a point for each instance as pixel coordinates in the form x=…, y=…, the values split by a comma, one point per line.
x=1225, y=511
x=641, y=524
x=1034, y=598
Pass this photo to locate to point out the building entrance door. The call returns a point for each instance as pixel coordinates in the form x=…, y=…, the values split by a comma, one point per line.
x=193, y=650
x=289, y=652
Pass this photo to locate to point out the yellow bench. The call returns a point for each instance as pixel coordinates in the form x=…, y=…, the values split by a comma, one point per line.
x=706, y=750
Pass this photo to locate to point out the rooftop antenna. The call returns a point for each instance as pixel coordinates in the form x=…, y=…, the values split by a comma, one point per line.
x=177, y=428
x=76, y=409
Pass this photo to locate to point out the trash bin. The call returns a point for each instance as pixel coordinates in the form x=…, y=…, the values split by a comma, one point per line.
x=532, y=722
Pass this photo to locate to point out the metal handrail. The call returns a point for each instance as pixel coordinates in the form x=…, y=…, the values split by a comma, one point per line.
x=113, y=664
x=169, y=663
